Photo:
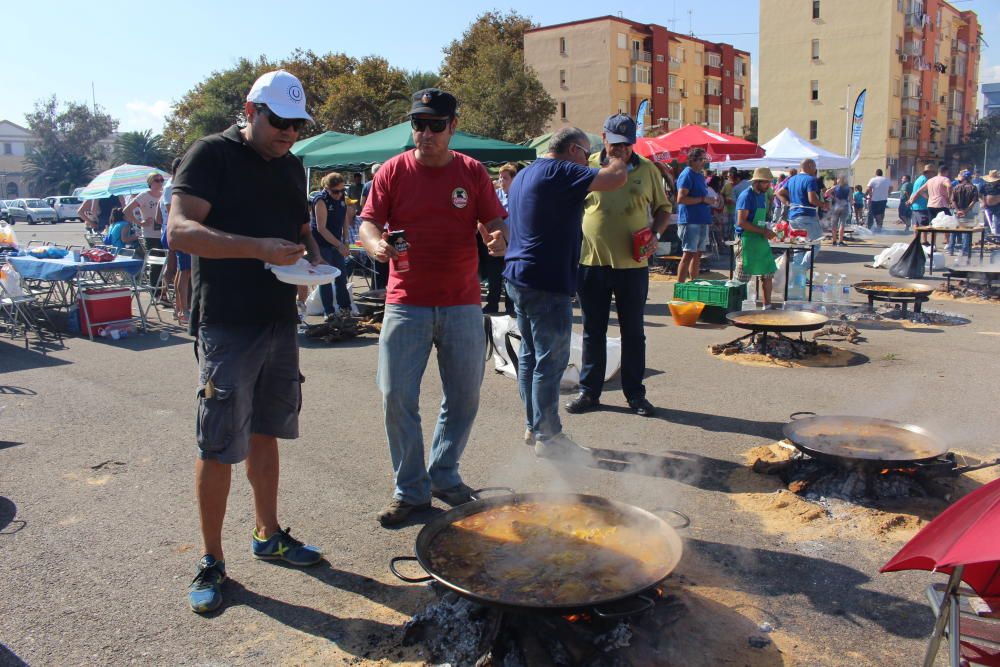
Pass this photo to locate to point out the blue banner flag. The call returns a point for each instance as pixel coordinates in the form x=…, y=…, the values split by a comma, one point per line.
x=856, y=124
x=640, y=118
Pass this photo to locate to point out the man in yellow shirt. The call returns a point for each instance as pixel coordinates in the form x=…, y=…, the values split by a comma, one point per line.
x=608, y=267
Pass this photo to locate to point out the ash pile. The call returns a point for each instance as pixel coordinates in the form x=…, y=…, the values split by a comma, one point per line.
x=343, y=326
x=895, y=313
x=777, y=348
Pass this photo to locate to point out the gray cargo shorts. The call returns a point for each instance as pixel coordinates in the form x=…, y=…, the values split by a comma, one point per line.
x=248, y=382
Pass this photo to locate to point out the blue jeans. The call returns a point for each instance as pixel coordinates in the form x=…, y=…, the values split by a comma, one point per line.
x=334, y=258
x=966, y=240
x=408, y=333
x=596, y=284
x=545, y=320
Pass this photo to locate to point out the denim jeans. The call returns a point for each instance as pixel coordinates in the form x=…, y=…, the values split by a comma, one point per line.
x=595, y=286
x=408, y=333
x=545, y=320
x=969, y=220
x=334, y=258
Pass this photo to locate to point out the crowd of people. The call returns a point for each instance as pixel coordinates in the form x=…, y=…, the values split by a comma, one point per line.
x=579, y=222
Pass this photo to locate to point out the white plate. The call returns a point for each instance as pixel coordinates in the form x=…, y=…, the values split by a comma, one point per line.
x=304, y=273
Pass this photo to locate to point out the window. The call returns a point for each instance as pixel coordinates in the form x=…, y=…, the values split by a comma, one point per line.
x=896, y=87
x=562, y=78
x=815, y=49
x=713, y=87
x=622, y=41
x=672, y=82
x=622, y=107
x=562, y=45
x=675, y=111
x=738, y=122
x=699, y=117
x=680, y=55
x=714, y=60
x=697, y=58
x=737, y=94
x=815, y=9
x=636, y=45
x=562, y=110
x=814, y=90
x=741, y=68
x=8, y=149
x=659, y=90
x=715, y=117
x=697, y=87
x=813, y=130
x=641, y=74
x=623, y=74
x=659, y=57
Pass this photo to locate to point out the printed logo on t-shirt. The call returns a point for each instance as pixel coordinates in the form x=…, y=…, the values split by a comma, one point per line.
x=459, y=198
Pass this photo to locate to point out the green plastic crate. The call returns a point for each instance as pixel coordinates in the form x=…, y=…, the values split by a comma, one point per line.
x=716, y=294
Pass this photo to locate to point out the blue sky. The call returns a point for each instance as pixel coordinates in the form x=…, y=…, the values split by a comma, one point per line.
x=142, y=57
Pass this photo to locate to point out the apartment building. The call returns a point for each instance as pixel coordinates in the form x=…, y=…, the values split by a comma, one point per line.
x=918, y=60
x=991, y=99
x=609, y=64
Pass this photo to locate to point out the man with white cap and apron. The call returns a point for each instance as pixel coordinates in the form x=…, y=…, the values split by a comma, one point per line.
x=753, y=252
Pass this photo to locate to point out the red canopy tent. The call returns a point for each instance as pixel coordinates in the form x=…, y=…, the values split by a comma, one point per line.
x=719, y=146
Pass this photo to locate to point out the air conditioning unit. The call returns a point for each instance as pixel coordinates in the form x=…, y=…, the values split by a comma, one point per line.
x=893, y=133
x=684, y=93
x=903, y=58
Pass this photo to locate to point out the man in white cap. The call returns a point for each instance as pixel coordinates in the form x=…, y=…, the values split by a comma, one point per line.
x=238, y=204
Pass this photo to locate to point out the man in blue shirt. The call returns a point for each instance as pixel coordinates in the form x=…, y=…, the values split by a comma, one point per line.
x=918, y=209
x=694, y=214
x=545, y=204
x=801, y=194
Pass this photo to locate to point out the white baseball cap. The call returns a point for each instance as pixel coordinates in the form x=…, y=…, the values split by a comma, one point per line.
x=282, y=93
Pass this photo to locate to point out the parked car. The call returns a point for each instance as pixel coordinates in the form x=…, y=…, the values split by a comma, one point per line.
x=893, y=201
x=3, y=211
x=31, y=211
x=66, y=208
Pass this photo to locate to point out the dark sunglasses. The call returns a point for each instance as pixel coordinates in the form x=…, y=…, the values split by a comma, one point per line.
x=279, y=123
x=435, y=124
x=158, y=180
x=339, y=191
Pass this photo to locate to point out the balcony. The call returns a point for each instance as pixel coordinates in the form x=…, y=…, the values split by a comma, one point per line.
x=913, y=47
x=713, y=70
x=908, y=144
x=961, y=47
x=715, y=100
x=675, y=65
x=954, y=115
x=911, y=104
x=673, y=124
x=642, y=56
x=914, y=20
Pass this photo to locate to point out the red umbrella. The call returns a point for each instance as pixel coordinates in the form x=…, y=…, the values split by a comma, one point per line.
x=966, y=534
x=719, y=146
x=963, y=541
x=651, y=148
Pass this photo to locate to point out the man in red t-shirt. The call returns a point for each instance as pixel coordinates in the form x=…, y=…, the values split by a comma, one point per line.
x=439, y=200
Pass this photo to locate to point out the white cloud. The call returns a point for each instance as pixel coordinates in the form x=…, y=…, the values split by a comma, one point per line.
x=754, y=83
x=989, y=74
x=141, y=115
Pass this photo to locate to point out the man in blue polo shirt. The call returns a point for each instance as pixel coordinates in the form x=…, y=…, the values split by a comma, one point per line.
x=801, y=194
x=545, y=204
x=694, y=214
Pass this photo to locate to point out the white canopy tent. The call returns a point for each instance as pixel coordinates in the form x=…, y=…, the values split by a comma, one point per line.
x=786, y=151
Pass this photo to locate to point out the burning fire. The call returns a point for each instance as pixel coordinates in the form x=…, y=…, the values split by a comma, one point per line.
x=578, y=618
x=901, y=471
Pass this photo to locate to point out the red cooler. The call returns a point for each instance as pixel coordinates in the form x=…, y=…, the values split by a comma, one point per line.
x=103, y=305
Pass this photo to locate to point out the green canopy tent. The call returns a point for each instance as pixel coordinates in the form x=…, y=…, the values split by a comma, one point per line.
x=541, y=144
x=319, y=142
x=357, y=154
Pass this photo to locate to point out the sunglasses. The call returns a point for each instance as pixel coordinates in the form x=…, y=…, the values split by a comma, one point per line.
x=586, y=151
x=158, y=180
x=279, y=123
x=339, y=191
x=435, y=124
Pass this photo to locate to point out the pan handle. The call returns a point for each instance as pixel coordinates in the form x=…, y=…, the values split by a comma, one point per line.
x=645, y=605
x=478, y=493
x=795, y=416
x=685, y=519
x=409, y=580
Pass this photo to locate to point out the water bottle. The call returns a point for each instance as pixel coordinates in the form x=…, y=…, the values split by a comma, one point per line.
x=843, y=290
x=826, y=289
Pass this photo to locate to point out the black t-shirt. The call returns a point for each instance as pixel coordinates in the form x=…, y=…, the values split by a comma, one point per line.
x=250, y=196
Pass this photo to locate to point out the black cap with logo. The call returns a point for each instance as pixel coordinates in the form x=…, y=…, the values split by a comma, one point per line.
x=433, y=102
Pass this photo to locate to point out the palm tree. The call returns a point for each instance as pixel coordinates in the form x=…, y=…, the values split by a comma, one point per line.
x=143, y=148
x=51, y=171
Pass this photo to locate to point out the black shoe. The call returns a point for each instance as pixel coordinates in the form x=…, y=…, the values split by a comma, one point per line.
x=456, y=495
x=582, y=403
x=397, y=511
x=641, y=407
x=490, y=309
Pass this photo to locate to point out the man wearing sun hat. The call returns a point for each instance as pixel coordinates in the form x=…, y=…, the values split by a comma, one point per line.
x=239, y=203
x=439, y=200
x=753, y=255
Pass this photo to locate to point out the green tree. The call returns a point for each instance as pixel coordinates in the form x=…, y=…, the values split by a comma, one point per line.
x=143, y=148
x=981, y=144
x=363, y=99
x=498, y=95
x=68, y=146
x=415, y=80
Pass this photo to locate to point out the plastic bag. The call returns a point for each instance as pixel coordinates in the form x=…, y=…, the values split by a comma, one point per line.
x=314, y=303
x=571, y=376
x=7, y=237
x=889, y=255
x=911, y=263
x=863, y=232
x=779, y=275
x=11, y=281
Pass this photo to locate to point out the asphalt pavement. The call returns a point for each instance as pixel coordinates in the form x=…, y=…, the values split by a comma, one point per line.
x=98, y=525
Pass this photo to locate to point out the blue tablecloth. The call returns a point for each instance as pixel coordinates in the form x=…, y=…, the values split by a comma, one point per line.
x=67, y=269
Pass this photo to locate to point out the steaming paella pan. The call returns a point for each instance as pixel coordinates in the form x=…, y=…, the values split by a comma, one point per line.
x=546, y=551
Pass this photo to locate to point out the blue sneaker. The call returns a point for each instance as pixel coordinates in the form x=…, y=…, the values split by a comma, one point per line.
x=282, y=546
x=205, y=591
